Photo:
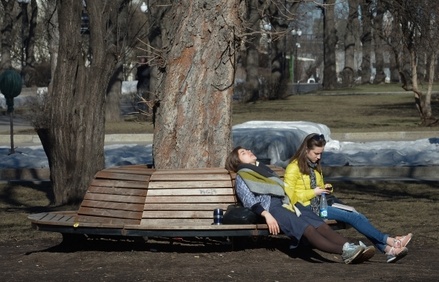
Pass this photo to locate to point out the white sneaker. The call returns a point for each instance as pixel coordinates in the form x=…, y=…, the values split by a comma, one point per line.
x=351, y=252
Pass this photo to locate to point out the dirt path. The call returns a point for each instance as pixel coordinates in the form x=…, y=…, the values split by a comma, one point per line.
x=42, y=260
x=396, y=208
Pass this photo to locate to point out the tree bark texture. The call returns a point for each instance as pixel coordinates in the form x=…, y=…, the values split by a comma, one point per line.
x=330, y=40
x=6, y=38
x=366, y=39
x=380, y=76
x=352, y=29
x=74, y=137
x=250, y=55
x=193, y=122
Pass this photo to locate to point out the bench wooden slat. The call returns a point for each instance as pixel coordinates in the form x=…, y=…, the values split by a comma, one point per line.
x=123, y=176
x=110, y=213
x=188, y=214
x=114, y=198
x=112, y=205
x=189, y=177
x=118, y=183
x=173, y=222
x=59, y=217
x=193, y=199
x=154, y=224
x=98, y=221
x=116, y=191
x=189, y=184
x=194, y=171
x=131, y=169
x=180, y=207
x=191, y=192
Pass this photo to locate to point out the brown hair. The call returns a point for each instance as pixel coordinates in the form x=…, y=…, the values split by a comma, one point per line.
x=310, y=142
x=233, y=160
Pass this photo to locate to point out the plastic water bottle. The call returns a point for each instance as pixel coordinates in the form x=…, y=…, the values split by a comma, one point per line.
x=323, y=206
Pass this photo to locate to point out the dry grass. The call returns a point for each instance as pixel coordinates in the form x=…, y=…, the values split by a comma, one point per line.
x=340, y=112
x=368, y=108
x=373, y=108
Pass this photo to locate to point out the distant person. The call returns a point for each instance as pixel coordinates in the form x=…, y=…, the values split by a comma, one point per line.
x=261, y=190
x=304, y=184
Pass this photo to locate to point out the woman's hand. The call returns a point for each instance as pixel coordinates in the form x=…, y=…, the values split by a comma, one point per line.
x=319, y=191
x=273, y=227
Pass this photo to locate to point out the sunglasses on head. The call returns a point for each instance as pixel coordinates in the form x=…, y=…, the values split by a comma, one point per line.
x=318, y=137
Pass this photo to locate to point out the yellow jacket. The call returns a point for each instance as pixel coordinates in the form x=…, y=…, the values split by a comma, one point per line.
x=298, y=185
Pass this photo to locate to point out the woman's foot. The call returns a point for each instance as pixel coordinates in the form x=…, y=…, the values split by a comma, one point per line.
x=402, y=241
x=396, y=254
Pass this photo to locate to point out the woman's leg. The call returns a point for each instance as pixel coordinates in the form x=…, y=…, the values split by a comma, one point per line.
x=305, y=225
x=326, y=231
x=319, y=241
x=361, y=224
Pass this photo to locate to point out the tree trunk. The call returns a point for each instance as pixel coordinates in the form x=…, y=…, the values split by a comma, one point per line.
x=432, y=64
x=114, y=95
x=53, y=37
x=30, y=43
x=330, y=41
x=414, y=81
x=352, y=29
x=380, y=76
x=366, y=39
x=193, y=123
x=250, y=56
x=6, y=38
x=74, y=137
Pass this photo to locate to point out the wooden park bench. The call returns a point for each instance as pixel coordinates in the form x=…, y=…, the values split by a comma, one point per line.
x=143, y=202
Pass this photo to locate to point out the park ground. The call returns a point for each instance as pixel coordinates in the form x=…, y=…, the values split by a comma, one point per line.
x=394, y=207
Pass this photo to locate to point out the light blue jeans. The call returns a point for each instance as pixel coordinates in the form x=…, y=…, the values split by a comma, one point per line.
x=361, y=224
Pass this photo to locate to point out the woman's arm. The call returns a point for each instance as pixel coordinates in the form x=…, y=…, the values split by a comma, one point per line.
x=250, y=200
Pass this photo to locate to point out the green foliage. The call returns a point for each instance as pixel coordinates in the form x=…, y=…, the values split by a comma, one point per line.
x=10, y=86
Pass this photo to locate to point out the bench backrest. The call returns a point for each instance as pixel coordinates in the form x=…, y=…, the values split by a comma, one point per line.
x=189, y=195
x=116, y=196
x=140, y=195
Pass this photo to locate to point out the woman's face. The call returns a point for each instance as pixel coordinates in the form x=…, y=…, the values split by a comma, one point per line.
x=314, y=154
x=246, y=156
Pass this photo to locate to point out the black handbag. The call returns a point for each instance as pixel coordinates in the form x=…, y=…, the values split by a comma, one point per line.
x=237, y=214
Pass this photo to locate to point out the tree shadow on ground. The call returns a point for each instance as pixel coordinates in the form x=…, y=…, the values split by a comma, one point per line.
x=426, y=190
x=192, y=245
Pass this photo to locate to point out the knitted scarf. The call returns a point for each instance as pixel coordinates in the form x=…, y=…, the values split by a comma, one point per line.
x=262, y=180
x=315, y=202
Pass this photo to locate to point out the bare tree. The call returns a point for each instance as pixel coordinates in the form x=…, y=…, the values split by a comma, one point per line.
x=417, y=21
x=73, y=132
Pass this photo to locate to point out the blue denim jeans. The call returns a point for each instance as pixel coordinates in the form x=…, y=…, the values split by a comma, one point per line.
x=361, y=224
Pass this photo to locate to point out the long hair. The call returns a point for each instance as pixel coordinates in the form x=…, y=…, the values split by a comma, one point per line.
x=309, y=143
x=233, y=160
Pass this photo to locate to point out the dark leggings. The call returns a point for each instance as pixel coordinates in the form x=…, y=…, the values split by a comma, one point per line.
x=325, y=239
